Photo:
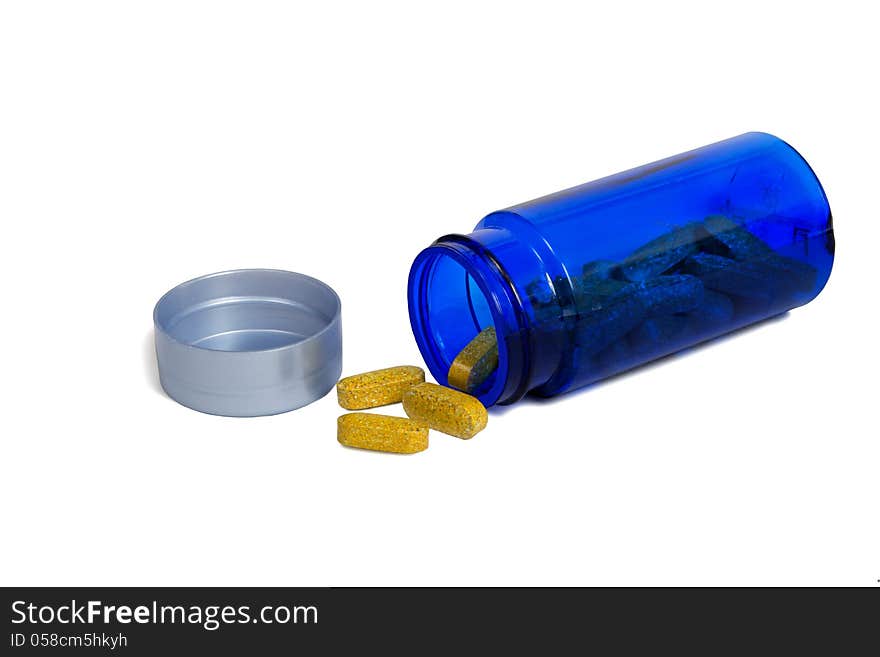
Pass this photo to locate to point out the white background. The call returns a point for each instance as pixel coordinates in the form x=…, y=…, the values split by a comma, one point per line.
x=142, y=144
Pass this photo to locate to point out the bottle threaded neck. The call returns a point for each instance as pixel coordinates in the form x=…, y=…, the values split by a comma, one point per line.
x=458, y=288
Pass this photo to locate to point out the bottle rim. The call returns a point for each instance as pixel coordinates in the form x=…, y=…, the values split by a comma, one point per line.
x=508, y=316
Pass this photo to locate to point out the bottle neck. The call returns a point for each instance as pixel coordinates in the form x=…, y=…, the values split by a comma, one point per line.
x=461, y=285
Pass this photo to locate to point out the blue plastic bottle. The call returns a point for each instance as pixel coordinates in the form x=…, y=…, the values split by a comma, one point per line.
x=594, y=280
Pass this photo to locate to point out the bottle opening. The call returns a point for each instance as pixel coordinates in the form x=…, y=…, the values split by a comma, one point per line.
x=453, y=297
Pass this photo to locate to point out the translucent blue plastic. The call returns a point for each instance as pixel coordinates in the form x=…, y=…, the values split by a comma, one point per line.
x=594, y=280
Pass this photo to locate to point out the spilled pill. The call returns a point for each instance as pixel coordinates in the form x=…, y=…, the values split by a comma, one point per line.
x=377, y=388
x=475, y=363
x=445, y=410
x=381, y=433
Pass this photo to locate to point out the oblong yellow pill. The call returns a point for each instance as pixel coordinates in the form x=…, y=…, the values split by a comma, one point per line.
x=377, y=388
x=446, y=410
x=382, y=433
x=475, y=362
